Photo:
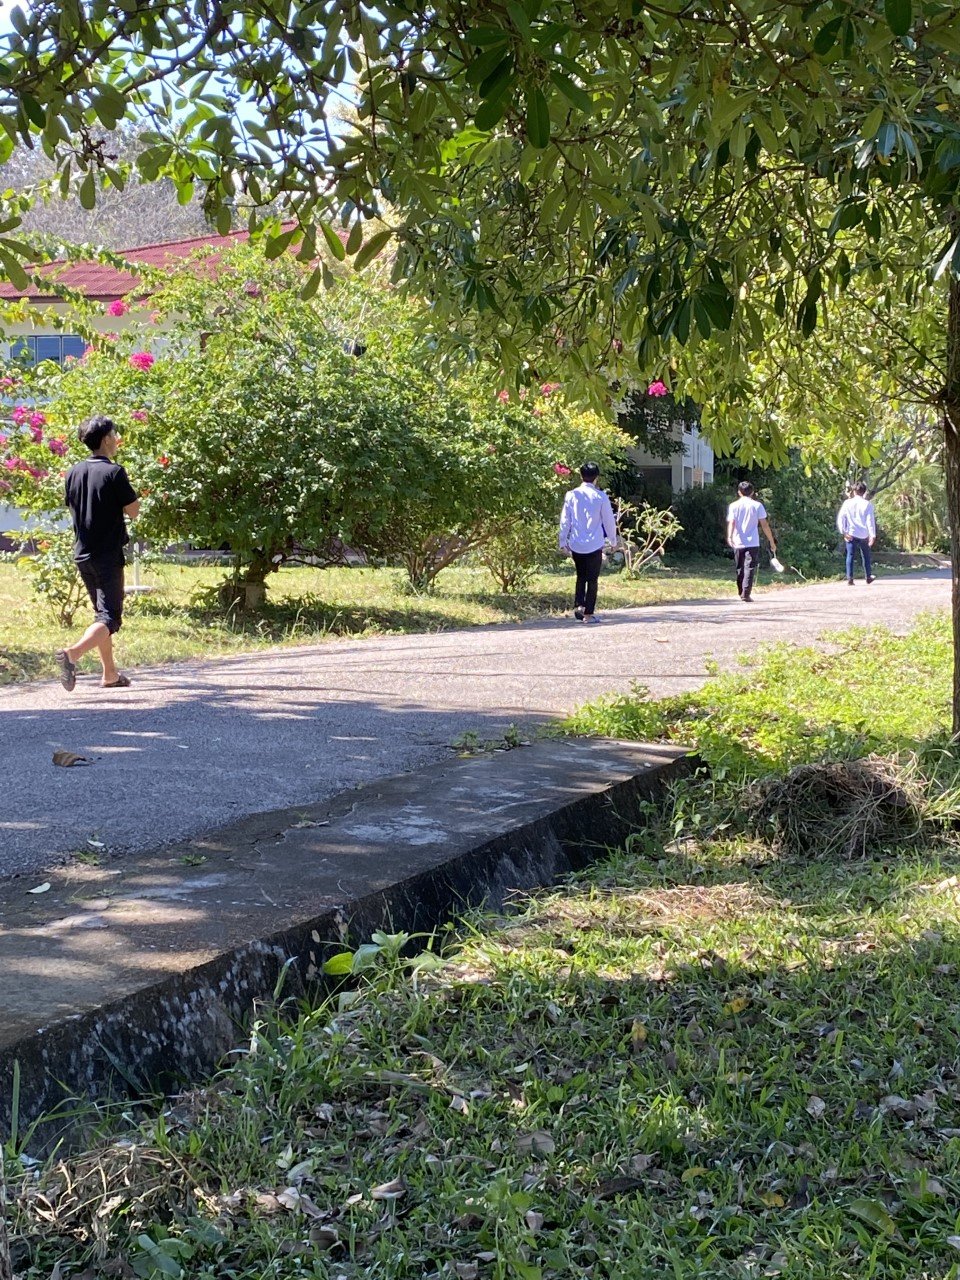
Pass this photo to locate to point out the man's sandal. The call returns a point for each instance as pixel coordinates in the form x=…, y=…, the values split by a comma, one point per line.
x=121, y=682
x=67, y=670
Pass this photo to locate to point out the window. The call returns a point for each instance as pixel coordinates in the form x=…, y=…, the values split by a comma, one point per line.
x=56, y=347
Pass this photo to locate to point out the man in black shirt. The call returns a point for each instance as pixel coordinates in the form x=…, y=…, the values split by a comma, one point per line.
x=99, y=495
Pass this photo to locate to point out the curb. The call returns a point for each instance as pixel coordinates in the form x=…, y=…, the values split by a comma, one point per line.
x=165, y=971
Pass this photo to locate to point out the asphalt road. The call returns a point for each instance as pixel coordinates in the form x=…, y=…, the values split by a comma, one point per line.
x=195, y=745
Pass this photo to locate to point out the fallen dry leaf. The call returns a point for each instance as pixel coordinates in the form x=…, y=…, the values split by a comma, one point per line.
x=389, y=1190
x=538, y=1143
x=297, y=1202
x=815, y=1107
x=324, y=1237
x=40, y=888
x=69, y=759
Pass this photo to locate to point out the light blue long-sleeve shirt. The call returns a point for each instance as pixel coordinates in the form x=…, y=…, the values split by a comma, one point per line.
x=586, y=520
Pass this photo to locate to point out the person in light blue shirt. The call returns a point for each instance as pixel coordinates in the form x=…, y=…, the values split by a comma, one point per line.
x=586, y=522
x=858, y=524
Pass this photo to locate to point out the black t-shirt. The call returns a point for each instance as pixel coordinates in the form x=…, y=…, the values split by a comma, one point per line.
x=97, y=491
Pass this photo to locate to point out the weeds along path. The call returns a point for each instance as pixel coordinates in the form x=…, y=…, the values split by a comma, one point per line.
x=194, y=745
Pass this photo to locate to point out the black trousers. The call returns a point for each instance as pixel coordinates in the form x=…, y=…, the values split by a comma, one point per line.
x=103, y=578
x=747, y=560
x=588, y=572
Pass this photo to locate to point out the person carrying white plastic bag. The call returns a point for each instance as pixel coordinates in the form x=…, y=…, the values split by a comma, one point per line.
x=745, y=518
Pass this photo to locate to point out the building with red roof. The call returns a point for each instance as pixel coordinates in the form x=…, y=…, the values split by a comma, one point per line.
x=103, y=282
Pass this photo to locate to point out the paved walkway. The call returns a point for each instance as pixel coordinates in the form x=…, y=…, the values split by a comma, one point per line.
x=199, y=744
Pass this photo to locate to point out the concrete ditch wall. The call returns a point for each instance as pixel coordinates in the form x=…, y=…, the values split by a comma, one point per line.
x=167, y=968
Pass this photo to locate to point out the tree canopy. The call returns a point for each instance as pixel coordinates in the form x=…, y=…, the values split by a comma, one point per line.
x=578, y=182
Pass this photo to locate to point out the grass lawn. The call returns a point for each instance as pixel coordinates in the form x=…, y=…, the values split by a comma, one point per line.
x=305, y=606
x=729, y=1050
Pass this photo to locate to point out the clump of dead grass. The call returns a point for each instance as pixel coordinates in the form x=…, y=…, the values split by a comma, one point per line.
x=841, y=808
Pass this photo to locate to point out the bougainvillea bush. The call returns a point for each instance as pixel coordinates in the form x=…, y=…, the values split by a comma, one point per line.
x=254, y=420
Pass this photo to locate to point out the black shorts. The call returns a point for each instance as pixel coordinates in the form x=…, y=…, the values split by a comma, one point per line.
x=103, y=579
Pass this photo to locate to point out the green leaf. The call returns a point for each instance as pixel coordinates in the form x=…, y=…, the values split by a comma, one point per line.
x=88, y=192
x=572, y=92
x=334, y=243
x=872, y=122
x=310, y=289
x=340, y=965
x=354, y=239
x=826, y=37
x=13, y=269
x=483, y=66
x=35, y=112
x=481, y=36
x=498, y=79
x=371, y=249
x=277, y=245
x=538, y=119
x=491, y=112
x=873, y=1213
x=899, y=15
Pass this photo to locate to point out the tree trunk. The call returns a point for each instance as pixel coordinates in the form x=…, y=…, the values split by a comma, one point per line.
x=951, y=460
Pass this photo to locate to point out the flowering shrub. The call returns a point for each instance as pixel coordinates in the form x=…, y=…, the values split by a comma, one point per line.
x=272, y=437
x=118, y=307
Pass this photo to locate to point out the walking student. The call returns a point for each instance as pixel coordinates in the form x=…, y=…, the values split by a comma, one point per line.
x=857, y=522
x=586, y=522
x=99, y=496
x=745, y=518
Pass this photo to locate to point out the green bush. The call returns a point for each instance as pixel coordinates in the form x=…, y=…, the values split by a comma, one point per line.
x=702, y=514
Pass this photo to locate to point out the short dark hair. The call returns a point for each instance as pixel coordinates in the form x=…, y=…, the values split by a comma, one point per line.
x=859, y=488
x=745, y=488
x=92, y=432
x=589, y=471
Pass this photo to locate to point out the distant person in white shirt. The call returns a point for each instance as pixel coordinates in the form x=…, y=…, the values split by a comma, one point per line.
x=745, y=518
x=858, y=524
x=586, y=522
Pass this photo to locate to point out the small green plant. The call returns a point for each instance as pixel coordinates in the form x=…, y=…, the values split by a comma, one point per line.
x=644, y=534
x=52, y=571
x=513, y=555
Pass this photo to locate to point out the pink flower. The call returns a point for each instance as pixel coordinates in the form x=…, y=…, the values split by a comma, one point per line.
x=110, y=337
x=5, y=486
x=38, y=473
x=118, y=307
x=57, y=445
x=560, y=469
x=142, y=360
x=657, y=389
x=12, y=464
x=139, y=415
x=3, y=438
x=503, y=396
x=156, y=317
x=7, y=383
x=20, y=415
x=549, y=388
x=36, y=434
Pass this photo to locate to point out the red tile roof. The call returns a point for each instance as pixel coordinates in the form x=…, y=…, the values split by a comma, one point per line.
x=97, y=280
